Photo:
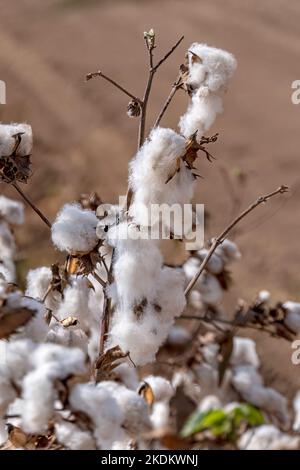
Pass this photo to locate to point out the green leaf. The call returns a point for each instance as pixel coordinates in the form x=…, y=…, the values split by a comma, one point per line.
x=248, y=413
x=199, y=421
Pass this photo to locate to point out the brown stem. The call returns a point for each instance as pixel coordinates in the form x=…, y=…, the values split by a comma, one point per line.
x=174, y=89
x=91, y=75
x=39, y=213
x=106, y=310
x=99, y=279
x=219, y=240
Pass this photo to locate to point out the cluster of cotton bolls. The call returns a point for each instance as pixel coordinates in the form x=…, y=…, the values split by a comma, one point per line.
x=8, y=133
x=208, y=289
x=11, y=214
x=209, y=71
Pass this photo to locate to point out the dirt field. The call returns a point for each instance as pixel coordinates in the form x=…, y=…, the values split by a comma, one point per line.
x=84, y=140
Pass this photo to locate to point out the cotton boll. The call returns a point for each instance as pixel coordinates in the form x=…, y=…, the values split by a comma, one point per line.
x=65, y=361
x=186, y=380
x=170, y=294
x=215, y=264
x=7, y=391
x=209, y=288
x=244, y=352
x=267, y=437
x=228, y=251
x=108, y=418
x=201, y=114
x=39, y=396
x=195, y=300
x=72, y=437
x=7, y=141
x=178, y=336
x=161, y=387
x=8, y=270
x=75, y=302
x=160, y=415
x=38, y=282
x=37, y=328
x=74, y=229
x=7, y=242
x=292, y=319
x=135, y=409
x=69, y=337
x=264, y=296
x=248, y=383
x=11, y=211
x=18, y=357
x=296, y=405
x=208, y=403
x=210, y=67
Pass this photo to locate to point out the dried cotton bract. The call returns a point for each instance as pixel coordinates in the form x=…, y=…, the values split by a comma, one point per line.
x=74, y=230
x=7, y=140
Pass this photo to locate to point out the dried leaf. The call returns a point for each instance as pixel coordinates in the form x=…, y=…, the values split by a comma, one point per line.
x=146, y=392
x=17, y=437
x=110, y=359
x=12, y=319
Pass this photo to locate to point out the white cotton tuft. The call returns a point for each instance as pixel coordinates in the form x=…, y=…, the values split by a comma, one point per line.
x=160, y=415
x=208, y=403
x=7, y=141
x=161, y=387
x=11, y=211
x=72, y=437
x=201, y=114
x=108, y=418
x=244, y=352
x=178, y=336
x=292, y=318
x=215, y=264
x=74, y=229
x=127, y=374
x=209, y=288
x=264, y=296
x=7, y=391
x=267, y=437
x=248, y=383
x=228, y=251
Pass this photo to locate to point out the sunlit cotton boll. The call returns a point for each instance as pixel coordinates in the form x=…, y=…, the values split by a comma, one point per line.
x=12, y=211
x=228, y=251
x=7, y=243
x=178, y=336
x=107, y=419
x=215, y=264
x=161, y=387
x=244, y=352
x=210, y=67
x=74, y=229
x=72, y=437
x=292, y=318
x=7, y=141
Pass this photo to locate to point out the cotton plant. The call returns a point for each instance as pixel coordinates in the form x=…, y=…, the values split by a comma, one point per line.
x=76, y=338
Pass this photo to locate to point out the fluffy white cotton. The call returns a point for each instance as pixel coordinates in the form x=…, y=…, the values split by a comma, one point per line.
x=296, y=405
x=244, y=352
x=155, y=162
x=7, y=242
x=292, y=318
x=210, y=402
x=72, y=337
x=264, y=296
x=74, y=229
x=12, y=211
x=228, y=251
x=247, y=381
x=215, y=264
x=72, y=437
x=37, y=328
x=267, y=437
x=7, y=391
x=209, y=67
x=7, y=141
x=127, y=374
x=160, y=415
x=161, y=387
x=108, y=417
x=134, y=408
x=201, y=113
x=50, y=362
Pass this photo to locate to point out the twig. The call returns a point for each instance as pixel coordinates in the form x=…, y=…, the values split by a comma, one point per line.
x=176, y=85
x=152, y=71
x=219, y=240
x=106, y=310
x=39, y=213
x=99, y=279
x=91, y=75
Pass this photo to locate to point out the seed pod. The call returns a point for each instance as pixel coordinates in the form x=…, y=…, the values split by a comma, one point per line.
x=133, y=108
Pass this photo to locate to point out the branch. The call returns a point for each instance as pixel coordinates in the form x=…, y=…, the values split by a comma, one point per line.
x=168, y=53
x=91, y=75
x=176, y=85
x=26, y=198
x=219, y=240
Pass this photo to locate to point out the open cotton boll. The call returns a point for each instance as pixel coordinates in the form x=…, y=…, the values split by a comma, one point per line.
x=7, y=141
x=296, y=405
x=7, y=392
x=267, y=437
x=75, y=302
x=12, y=211
x=264, y=296
x=292, y=318
x=160, y=415
x=38, y=282
x=7, y=269
x=201, y=113
x=72, y=437
x=209, y=66
x=7, y=242
x=244, y=352
x=72, y=337
x=18, y=357
x=74, y=229
x=215, y=264
x=209, y=288
x=228, y=251
x=134, y=408
x=103, y=410
x=127, y=374
x=161, y=387
x=37, y=328
x=170, y=294
x=248, y=384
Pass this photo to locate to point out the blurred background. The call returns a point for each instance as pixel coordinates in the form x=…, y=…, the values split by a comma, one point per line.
x=84, y=139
